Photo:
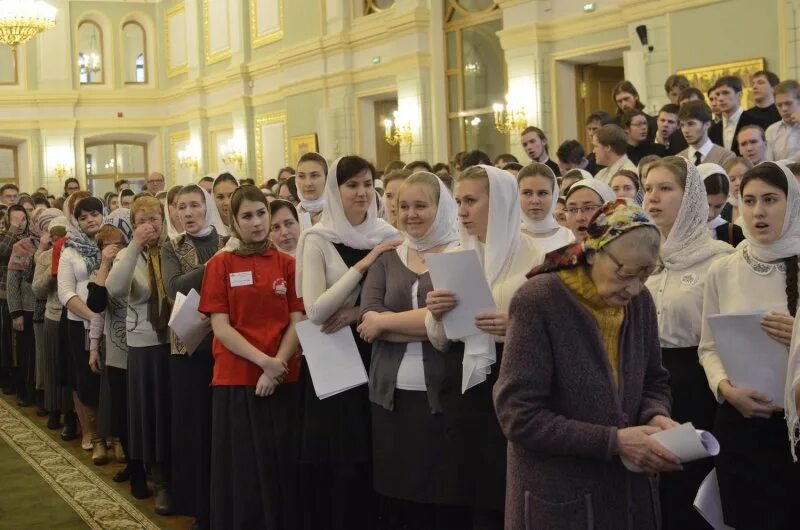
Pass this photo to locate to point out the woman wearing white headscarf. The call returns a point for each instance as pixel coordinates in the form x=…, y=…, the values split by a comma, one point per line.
x=757, y=481
x=174, y=227
x=490, y=219
x=183, y=260
x=312, y=170
x=675, y=201
x=583, y=199
x=717, y=186
x=538, y=197
x=410, y=386
x=332, y=260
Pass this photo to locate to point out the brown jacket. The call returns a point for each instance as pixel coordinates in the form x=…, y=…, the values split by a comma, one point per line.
x=560, y=410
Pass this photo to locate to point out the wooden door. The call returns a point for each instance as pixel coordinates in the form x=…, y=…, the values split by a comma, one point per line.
x=595, y=84
x=384, y=153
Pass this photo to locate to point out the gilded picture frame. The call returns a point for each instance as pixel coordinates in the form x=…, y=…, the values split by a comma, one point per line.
x=300, y=145
x=704, y=77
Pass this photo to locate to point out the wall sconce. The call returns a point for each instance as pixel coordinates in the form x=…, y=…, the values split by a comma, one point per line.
x=398, y=131
x=187, y=158
x=232, y=155
x=61, y=171
x=510, y=117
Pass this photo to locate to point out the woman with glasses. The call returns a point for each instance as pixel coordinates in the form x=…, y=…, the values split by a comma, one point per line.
x=538, y=198
x=593, y=389
x=758, y=483
x=675, y=201
x=584, y=198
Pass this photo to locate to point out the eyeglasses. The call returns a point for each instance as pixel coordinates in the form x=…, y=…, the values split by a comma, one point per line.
x=588, y=209
x=642, y=274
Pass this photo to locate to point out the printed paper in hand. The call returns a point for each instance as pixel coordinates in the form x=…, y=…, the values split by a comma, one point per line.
x=188, y=324
x=685, y=442
x=461, y=273
x=708, y=502
x=332, y=358
x=751, y=358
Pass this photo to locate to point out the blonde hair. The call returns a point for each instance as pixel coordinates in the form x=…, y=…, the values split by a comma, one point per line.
x=536, y=169
x=475, y=173
x=674, y=164
x=146, y=203
x=428, y=180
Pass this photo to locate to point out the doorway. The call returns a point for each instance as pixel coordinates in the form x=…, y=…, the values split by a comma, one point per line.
x=384, y=152
x=594, y=84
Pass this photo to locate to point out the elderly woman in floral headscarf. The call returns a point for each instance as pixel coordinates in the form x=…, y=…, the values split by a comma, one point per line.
x=582, y=384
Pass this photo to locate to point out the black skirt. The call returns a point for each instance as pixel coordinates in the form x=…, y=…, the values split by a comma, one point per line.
x=6, y=349
x=758, y=482
x=149, y=404
x=25, y=357
x=87, y=383
x=57, y=396
x=692, y=401
x=66, y=366
x=117, y=381
x=255, y=458
x=190, y=377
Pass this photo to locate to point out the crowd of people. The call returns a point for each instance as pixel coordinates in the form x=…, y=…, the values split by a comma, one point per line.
x=604, y=269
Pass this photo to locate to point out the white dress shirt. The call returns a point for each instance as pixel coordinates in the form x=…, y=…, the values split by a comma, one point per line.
x=729, y=128
x=678, y=297
x=73, y=280
x=783, y=141
x=704, y=150
x=737, y=283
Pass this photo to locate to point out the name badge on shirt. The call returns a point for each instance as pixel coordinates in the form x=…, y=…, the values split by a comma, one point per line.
x=239, y=279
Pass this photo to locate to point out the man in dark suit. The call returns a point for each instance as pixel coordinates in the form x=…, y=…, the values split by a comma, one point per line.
x=667, y=127
x=728, y=92
x=765, y=110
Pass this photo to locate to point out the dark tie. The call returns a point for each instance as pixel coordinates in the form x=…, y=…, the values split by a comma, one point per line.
x=698, y=156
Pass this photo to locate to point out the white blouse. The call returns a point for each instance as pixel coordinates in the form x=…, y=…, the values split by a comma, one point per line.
x=411, y=374
x=561, y=238
x=737, y=283
x=328, y=285
x=73, y=280
x=678, y=297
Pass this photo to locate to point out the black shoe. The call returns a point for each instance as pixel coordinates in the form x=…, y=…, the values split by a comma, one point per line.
x=139, y=488
x=123, y=475
x=70, y=431
x=40, y=410
x=8, y=389
x=198, y=525
x=54, y=421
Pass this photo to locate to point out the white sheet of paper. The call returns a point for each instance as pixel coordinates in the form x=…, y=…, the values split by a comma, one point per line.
x=751, y=358
x=708, y=503
x=685, y=442
x=461, y=273
x=188, y=323
x=332, y=358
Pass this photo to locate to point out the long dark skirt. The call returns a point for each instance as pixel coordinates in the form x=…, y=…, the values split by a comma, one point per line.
x=57, y=396
x=758, y=482
x=692, y=401
x=191, y=431
x=337, y=456
x=149, y=404
x=105, y=408
x=87, y=383
x=66, y=373
x=255, y=459
x=25, y=346
x=8, y=377
x=38, y=334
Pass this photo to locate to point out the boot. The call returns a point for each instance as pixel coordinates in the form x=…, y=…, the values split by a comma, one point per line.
x=99, y=452
x=40, y=410
x=139, y=488
x=54, y=420
x=70, y=431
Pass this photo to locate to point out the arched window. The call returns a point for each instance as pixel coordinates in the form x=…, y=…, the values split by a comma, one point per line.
x=134, y=49
x=90, y=53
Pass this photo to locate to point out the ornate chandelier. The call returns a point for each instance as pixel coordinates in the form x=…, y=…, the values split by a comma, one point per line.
x=21, y=20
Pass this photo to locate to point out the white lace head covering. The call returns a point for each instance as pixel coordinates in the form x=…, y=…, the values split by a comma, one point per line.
x=788, y=244
x=706, y=170
x=443, y=230
x=602, y=189
x=503, y=240
x=549, y=223
x=689, y=241
x=334, y=226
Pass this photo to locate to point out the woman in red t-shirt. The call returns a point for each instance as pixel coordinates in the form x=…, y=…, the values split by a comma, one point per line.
x=250, y=295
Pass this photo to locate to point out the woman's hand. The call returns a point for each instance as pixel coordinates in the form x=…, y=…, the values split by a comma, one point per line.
x=266, y=386
x=749, y=403
x=274, y=368
x=636, y=445
x=439, y=302
x=109, y=253
x=143, y=234
x=662, y=422
x=370, y=258
x=18, y=324
x=370, y=328
x=341, y=318
x=494, y=323
x=778, y=326
x=94, y=361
